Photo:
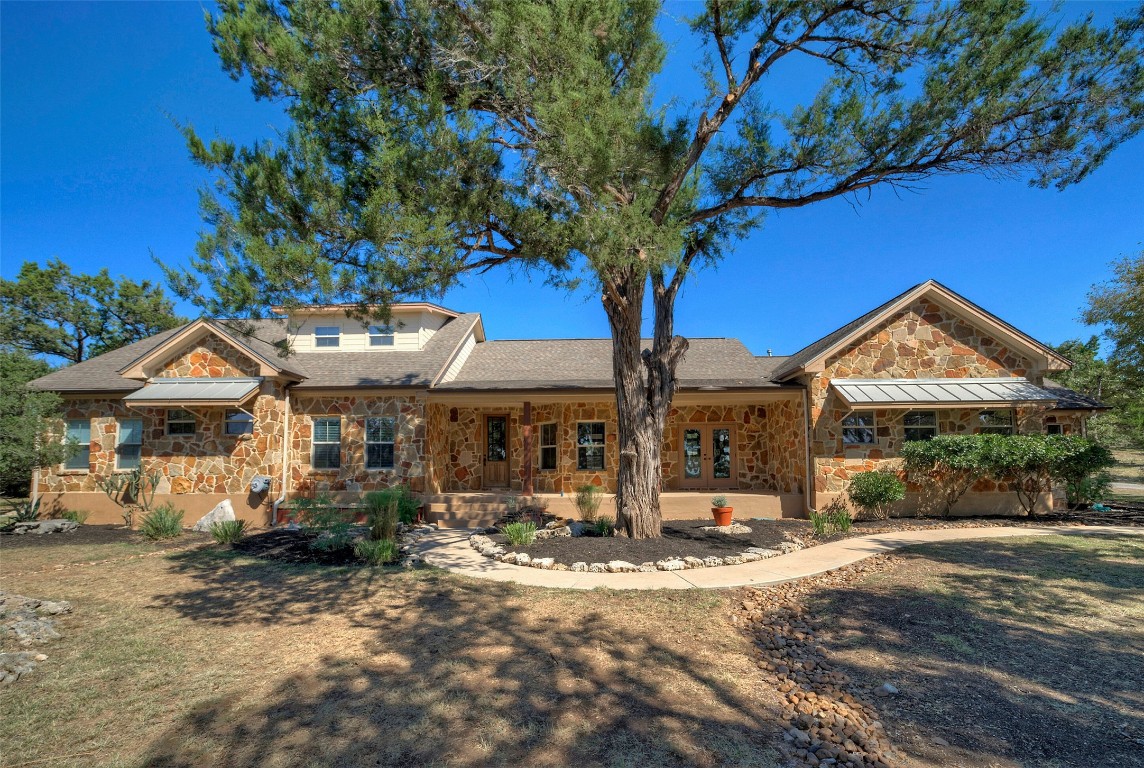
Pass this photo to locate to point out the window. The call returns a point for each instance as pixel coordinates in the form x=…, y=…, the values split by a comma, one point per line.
x=1053, y=429
x=858, y=428
x=239, y=423
x=590, y=445
x=920, y=425
x=327, y=336
x=995, y=422
x=129, y=446
x=381, y=336
x=379, y=442
x=547, y=447
x=180, y=422
x=327, y=443
x=79, y=432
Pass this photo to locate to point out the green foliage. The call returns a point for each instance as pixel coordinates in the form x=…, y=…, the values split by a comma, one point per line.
x=330, y=526
x=520, y=534
x=26, y=440
x=164, y=522
x=228, y=531
x=719, y=500
x=1118, y=306
x=408, y=505
x=24, y=510
x=1088, y=490
x=1030, y=463
x=873, y=492
x=834, y=518
x=951, y=464
x=54, y=312
x=381, y=513
x=605, y=526
x=77, y=516
x=818, y=522
x=377, y=551
x=588, y=498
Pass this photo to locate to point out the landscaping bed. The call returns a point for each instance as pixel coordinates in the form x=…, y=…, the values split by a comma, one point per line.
x=96, y=535
x=295, y=546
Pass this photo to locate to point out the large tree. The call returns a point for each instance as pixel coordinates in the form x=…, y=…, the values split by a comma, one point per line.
x=25, y=439
x=430, y=139
x=54, y=312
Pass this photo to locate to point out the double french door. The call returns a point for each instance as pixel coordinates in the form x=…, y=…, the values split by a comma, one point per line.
x=708, y=459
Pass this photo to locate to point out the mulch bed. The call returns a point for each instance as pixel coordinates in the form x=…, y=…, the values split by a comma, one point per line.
x=95, y=536
x=681, y=538
x=291, y=546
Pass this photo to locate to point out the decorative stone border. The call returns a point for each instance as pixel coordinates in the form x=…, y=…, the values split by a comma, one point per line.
x=481, y=542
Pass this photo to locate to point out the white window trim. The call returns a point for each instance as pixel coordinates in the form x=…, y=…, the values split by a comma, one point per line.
x=392, y=467
x=314, y=443
x=602, y=444
x=541, y=445
x=119, y=443
x=193, y=421
x=337, y=337
x=87, y=467
x=873, y=427
x=381, y=332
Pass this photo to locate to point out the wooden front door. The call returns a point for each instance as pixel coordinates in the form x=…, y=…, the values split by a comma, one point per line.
x=496, y=452
x=708, y=456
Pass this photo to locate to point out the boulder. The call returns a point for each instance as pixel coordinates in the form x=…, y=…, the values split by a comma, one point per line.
x=693, y=562
x=46, y=526
x=580, y=567
x=671, y=564
x=712, y=562
x=223, y=511
x=620, y=566
x=597, y=568
x=545, y=563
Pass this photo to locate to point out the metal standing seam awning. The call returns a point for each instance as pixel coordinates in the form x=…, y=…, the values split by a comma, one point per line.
x=939, y=393
x=195, y=392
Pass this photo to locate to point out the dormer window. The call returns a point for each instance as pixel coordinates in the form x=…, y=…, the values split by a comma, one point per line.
x=327, y=336
x=381, y=336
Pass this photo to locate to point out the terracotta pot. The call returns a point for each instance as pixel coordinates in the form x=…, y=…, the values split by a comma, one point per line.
x=722, y=515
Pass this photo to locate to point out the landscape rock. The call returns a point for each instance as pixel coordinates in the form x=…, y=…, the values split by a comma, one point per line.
x=222, y=512
x=647, y=568
x=620, y=566
x=597, y=568
x=509, y=558
x=694, y=562
x=731, y=529
x=577, y=528
x=13, y=666
x=712, y=561
x=545, y=563
x=42, y=527
x=580, y=567
x=523, y=558
x=671, y=564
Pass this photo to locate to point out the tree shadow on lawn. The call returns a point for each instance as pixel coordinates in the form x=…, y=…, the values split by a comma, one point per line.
x=466, y=673
x=1004, y=657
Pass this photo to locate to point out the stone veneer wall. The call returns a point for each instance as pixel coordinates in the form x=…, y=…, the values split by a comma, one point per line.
x=210, y=357
x=769, y=446
x=408, y=450
x=924, y=341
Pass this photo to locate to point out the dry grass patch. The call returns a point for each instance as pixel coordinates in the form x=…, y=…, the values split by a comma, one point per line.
x=207, y=658
x=1008, y=652
x=1129, y=467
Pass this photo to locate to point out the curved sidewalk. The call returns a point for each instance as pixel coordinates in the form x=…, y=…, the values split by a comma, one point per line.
x=449, y=549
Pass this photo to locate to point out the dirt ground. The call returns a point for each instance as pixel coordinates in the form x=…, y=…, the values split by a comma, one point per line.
x=1012, y=652
x=1015, y=652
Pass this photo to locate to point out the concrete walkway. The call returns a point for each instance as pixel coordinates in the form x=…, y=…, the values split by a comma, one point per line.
x=449, y=549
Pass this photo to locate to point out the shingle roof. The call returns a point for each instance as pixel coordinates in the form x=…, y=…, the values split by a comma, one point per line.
x=587, y=364
x=326, y=370
x=1068, y=400
x=320, y=370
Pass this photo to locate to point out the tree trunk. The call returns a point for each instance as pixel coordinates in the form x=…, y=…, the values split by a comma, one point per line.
x=645, y=384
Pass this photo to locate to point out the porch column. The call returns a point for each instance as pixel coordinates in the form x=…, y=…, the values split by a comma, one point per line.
x=526, y=434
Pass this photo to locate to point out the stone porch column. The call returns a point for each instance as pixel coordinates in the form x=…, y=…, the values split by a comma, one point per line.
x=526, y=434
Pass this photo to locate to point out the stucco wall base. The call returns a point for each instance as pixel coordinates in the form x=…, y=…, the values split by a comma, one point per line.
x=255, y=510
x=971, y=504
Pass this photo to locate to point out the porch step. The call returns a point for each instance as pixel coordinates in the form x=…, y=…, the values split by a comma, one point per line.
x=473, y=507
x=450, y=519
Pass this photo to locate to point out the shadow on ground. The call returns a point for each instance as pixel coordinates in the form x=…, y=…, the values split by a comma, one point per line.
x=1031, y=650
x=464, y=673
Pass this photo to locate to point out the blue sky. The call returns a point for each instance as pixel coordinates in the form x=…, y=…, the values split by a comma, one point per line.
x=94, y=171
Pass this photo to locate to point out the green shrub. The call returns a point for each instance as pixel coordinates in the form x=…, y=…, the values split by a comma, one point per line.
x=819, y=522
x=77, y=516
x=834, y=518
x=377, y=551
x=408, y=505
x=330, y=525
x=840, y=518
x=520, y=534
x=1030, y=463
x=605, y=526
x=381, y=514
x=1089, y=489
x=873, y=492
x=719, y=500
x=228, y=531
x=951, y=464
x=25, y=510
x=164, y=522
x=588, y=498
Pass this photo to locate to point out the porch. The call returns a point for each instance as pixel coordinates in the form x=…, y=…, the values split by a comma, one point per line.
x=479, y=509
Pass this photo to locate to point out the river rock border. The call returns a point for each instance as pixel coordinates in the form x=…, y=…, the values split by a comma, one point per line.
x=481, y=542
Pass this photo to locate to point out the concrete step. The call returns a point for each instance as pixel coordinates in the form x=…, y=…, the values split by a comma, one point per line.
x=458, y=506
x=462, y=519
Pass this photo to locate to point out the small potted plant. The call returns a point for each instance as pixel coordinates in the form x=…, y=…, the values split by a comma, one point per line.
x=720, y=511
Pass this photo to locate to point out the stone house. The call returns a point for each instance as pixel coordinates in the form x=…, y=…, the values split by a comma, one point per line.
x=464, y=421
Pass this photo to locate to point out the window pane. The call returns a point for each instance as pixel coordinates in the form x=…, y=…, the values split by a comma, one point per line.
x=859, y=419
x=379, y=456
x=130, y=431
x=79, y=430
x=590, y=458
x=128, y=456
x=590, y=433
x=327, y=456
x=859, y=436
x=327, y=335
x=81, y=459
x=548, y=457
x=379, y=430
x=327, y=430
x=239, y=423
x=548, y=434
x=380, y=336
